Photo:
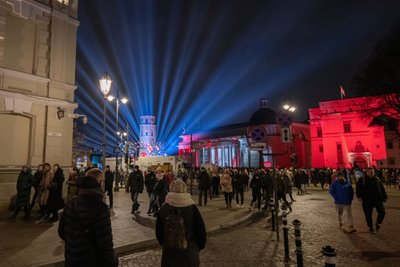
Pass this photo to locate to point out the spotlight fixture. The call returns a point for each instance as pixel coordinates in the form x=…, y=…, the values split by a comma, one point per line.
x=62, y=3
x=60, y=113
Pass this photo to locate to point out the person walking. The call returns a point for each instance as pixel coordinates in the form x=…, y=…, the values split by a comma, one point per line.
x=150, y=182
x=226, y=187
x=204, y=185
x=37, y=177
x=256, y=189
x=85, y=227
x=281, y=190
x=371, y=192
x=108, y=186
x=180, y=210
x=239, y=190
x=136, y=184
x=24, y=183
x=159, y=192
x=342, y=192
x=55, y=201
x=215, y=179
x=288, y=184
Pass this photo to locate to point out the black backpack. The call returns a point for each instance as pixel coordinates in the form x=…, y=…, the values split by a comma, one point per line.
x=174, y=231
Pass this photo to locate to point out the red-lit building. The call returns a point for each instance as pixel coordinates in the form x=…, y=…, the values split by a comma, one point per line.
x=354, y=131
x=233, y=146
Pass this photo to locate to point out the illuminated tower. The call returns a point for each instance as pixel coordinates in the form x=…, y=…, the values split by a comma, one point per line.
x=147, y=135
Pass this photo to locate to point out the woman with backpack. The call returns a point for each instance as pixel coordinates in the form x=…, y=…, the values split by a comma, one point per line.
x=180, y=228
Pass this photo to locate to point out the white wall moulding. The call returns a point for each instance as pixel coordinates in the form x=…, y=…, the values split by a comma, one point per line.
x=28, y=9
x=51, y=102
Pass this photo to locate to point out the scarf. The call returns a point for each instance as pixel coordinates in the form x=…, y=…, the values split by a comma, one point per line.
x=179, y=200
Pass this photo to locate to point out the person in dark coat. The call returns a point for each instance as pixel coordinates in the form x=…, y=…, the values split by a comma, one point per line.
x=108, y=185
x=239, y=188
x=215, y=179
x=149, y=183
x=179, y=199
x=24, y=183
x=281, y=189
x=256, y=188
x=136, y=184
x=85, y=226
x=55, y=201
x=267, y=184
x=159, y=192
x=204, y=185
x=37, y=177
x=371, y=192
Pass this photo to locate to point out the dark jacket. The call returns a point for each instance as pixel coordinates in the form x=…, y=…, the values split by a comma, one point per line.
x=37, y=177
x=85, y=226
x=109, y=180
x=241, y=182
x=161, y=189
x=267, y=182
x=55, y=201
x=371, y=190
x=256, y=185
x=24, y=183
x=135, y=181
x=150, y=181
x=204, y=180
x=195, y=230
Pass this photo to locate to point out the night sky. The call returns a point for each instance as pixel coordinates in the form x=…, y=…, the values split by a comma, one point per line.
x=206, y=63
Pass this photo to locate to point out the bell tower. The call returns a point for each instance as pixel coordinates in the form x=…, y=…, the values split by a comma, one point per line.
x=147, y=135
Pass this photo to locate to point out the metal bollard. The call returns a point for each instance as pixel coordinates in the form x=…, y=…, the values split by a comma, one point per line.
x=299, y=251
x=272, y=205
x=330, y=256
x=285, y=232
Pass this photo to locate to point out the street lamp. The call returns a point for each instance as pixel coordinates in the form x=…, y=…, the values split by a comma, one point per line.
x=124, y=100
x=105, y=86
x=289, y=108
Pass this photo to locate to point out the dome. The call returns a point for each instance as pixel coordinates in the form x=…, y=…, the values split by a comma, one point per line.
x=263, y=116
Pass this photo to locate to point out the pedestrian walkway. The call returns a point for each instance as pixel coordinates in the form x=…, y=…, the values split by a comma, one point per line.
x=24, y=243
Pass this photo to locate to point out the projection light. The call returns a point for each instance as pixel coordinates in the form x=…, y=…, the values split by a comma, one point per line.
x=77, y=116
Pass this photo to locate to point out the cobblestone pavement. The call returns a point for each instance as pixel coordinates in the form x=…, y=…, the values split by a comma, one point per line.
x=253, y=243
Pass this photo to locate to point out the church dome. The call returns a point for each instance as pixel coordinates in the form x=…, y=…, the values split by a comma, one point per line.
x=263, y=115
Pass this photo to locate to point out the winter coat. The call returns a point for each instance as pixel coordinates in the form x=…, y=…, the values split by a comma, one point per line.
x=342, y=192
x=371, y=190
x=195, y=230
x=44, y=191
x=204, y=181
x=135, y=181
x=267, y=182
x=150, y=181
x=109, y=180
x=24, y=183
x=241, y=182
x=288, y=183
x=298, y=180
x=37, y=177
x=256, y=185
x=161, y=187
x=55, y=201
x=281, y=185
x=85, y=226
x=226, y=183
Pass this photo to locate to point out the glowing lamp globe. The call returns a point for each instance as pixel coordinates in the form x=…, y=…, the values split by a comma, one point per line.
x=105, y=84
x=124, y=100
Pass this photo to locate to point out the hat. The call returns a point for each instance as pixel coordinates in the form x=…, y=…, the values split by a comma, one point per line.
x=178, y=186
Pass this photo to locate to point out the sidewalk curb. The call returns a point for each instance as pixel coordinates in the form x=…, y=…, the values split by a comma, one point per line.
x=150, y=243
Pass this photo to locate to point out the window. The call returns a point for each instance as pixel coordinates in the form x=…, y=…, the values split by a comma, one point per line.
x=321, y=148
x=389, y=145
x=347, y=127
x=319, y=131
x=391, y=161
x=339, y=153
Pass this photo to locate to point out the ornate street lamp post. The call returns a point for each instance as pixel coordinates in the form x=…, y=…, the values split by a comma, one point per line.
x=105, y=86
x=123, y=100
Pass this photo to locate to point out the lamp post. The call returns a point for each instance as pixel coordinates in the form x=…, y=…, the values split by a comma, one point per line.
x=105, y=85
x=289, y=108
x=123, y=100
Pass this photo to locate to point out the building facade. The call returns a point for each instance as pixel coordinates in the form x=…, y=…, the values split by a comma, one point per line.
x=147, y=135
x=37, y=84
x=255, y=143
x=353, y=132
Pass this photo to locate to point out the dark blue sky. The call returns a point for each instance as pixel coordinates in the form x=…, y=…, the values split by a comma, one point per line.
x=206, y=63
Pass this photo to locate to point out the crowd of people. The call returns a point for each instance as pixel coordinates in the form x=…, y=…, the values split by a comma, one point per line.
x=85, y=224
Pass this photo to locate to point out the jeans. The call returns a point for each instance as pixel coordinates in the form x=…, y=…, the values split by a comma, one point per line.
x=241, y=194
x=135, y=203
x=349, y=217
x=368, y=207
x=201, y=194
x=228, y=199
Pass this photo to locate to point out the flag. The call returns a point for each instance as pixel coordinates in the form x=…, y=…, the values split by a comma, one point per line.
x=342, y=92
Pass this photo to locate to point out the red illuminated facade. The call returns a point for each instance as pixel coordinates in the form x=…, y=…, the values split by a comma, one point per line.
x=353, y=132
x=231, y=146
